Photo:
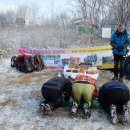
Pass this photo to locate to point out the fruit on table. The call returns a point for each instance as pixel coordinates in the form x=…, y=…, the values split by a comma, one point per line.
x=82, y=70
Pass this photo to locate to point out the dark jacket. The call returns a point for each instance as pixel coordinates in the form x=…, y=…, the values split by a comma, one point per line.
x=111, y=86
x=119, y=42
x=113, y=93
x=60, y=84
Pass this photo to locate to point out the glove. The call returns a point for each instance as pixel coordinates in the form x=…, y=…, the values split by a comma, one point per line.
x=120, y=48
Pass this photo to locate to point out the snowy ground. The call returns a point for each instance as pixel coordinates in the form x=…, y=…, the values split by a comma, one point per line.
x=19, y=100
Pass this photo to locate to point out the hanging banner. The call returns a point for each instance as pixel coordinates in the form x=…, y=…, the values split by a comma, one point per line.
x=66, y=51
x=57, y=59
x=52, y=61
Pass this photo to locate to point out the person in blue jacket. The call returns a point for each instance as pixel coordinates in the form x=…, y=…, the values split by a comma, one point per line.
x=114, y=97
x=119, y=42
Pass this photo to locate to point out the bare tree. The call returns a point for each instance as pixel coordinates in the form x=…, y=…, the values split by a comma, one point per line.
x=2, y=20
x=10, y=17
x=90, y=9
x=119, y=10
x=32, y=14
x=20, y=22
x=22, y=12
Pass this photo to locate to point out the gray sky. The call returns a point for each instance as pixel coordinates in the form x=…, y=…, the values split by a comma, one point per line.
x=45, y=6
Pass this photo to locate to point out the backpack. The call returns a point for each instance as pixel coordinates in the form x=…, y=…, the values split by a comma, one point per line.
x=38, y=63
x=23, y=63
x=27, y=63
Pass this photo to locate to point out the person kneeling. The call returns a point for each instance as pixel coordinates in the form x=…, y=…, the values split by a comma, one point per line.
x=84, y=90
x=52, y=91
x=114, y=97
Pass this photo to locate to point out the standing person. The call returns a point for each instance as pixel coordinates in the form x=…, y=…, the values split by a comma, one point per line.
x=119, y=42
x=114, y=97
x=52, y=91
x=84, y=90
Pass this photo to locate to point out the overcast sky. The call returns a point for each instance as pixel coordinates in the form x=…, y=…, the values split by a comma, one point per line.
x=45, y=6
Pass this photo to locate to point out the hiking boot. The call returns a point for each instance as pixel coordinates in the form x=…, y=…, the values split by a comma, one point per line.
x=125, y=114
x=113, y=114
x=115, y=78
x=48, y=109
x=74, y=110
x=86, y=110
x=121, y=79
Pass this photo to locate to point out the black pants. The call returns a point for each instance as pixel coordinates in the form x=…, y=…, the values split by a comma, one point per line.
x=119, y=60
x=52, y=96
x=119, y=97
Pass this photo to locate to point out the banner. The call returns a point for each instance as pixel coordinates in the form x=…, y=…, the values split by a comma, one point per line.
x=66, y=51
x=59, y=58
x=52, y=61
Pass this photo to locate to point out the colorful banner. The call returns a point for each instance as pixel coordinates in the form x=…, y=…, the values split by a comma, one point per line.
x=57, y=59
x=66, y=51
x=41, y=52
x=52, y=61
